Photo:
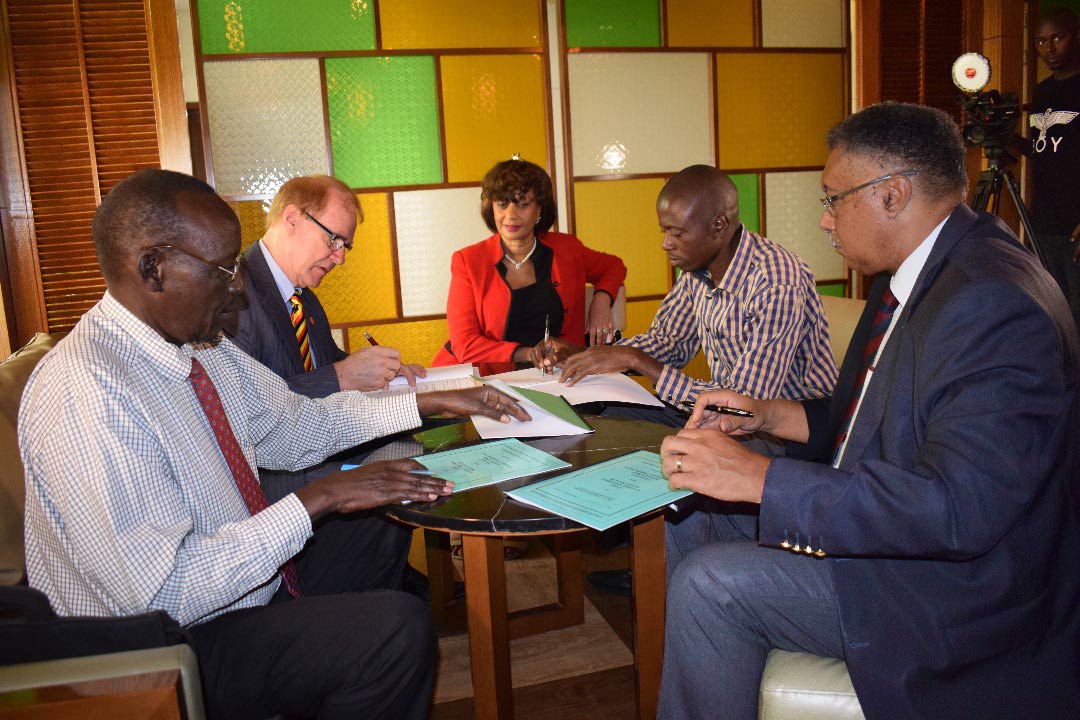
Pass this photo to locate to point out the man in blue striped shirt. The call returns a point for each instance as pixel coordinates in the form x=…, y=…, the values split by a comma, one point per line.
x=751, y=305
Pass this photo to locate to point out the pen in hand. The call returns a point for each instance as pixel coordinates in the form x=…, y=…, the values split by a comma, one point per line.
x=547, y=337
x=371, y=340
x=722, y=409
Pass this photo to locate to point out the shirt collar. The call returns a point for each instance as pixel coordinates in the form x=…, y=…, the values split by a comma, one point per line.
x=284, y=285
x=903, y=280
x=737, y=269
x=173, y=362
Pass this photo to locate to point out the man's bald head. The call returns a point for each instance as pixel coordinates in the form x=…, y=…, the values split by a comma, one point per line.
x=706, y=189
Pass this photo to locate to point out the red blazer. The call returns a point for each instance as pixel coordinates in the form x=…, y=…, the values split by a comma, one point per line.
x=480, y=299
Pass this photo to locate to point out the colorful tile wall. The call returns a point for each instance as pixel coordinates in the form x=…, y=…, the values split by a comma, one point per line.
x=418, y=341
x=802, y=23
x=619, y=217
x=710, y=23
x=793, y=207
x=364, y=288
x=492, y=108
x=431, y=225
x=749, y=200
x=268, y=26
x=411, y=24
x=785, y=126
x=266, y=123
x=639, y=112
x=252, y=215
x=384, y=124
x=612, y=23
x=639, y=316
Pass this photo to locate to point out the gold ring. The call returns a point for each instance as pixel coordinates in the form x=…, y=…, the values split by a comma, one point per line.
x=678, y=464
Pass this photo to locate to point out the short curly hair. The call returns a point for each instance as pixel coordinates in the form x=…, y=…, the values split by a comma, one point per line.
x=512, y=179
x=900, y=136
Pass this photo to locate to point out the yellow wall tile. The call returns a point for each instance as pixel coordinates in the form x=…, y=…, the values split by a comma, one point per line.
x=619, y=217
x=493, y=107
x=252, y=214
x=418, y=340
x=364, y=287
x=639, y=316
x=710, y=23
x=786, y=125
x=439, y=24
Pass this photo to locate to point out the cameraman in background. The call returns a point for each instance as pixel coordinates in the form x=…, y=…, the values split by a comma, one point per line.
x=1055, y=151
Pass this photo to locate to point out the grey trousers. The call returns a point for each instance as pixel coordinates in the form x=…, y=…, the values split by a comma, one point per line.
x=729, y=602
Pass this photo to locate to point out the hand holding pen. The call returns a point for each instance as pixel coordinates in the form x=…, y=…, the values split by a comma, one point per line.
x=727, y=411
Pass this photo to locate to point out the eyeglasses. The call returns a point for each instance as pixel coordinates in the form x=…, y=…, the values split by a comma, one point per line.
x=829, y=201
x=336, y=241
x=231, y=272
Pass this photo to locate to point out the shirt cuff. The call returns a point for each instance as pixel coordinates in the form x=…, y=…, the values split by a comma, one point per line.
x=287, y=525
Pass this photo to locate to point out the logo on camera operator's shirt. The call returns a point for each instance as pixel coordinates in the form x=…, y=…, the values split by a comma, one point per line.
x=1046, y=120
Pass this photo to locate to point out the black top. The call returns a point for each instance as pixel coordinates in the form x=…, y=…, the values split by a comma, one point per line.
x=1055, y=152
x=531, y=305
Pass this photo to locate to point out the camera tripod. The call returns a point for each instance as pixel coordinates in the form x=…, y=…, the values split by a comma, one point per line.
x=987, y=194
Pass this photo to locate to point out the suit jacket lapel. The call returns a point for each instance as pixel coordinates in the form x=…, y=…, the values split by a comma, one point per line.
x=265, y=293
x=868, y=420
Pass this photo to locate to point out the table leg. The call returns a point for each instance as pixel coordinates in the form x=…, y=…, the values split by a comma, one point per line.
x=650, y=584
x=489, y=637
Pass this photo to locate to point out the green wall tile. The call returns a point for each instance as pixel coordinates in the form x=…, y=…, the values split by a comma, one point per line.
x=834, y=289
x=612, y=23
x=384, y=128
x=262, y=26
x=749, y=200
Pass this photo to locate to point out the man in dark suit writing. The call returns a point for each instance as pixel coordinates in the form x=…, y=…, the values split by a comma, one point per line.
x=310, y=227
x=933, y=545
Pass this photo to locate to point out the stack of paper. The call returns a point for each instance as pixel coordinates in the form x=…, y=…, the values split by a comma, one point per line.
x=606, y=494
x=450, y=377
x=551, y=416
x=605, y=387
x=475, y=466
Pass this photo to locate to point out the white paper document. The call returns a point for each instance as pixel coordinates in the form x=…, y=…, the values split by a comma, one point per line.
x=605, y=387
x=544, y=423
x=450, y=377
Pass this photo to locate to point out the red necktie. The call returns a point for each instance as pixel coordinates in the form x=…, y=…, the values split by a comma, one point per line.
x=245, y=479
x=882, y=319
x=299, y=323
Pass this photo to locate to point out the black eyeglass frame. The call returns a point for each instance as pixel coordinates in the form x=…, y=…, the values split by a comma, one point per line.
x=231, y=273
x=336, y=241
x=829, y=201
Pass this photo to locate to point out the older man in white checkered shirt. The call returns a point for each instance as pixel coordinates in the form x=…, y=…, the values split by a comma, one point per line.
x=132, y=503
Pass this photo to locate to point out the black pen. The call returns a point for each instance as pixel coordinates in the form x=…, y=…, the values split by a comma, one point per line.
x=723, y=409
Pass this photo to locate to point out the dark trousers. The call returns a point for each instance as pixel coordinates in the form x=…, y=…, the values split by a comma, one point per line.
x=1058, y=250
x=349, y=648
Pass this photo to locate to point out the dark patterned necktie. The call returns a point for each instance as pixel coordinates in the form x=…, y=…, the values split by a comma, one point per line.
x=245, y=479
x=299, y=323
x=882, y=319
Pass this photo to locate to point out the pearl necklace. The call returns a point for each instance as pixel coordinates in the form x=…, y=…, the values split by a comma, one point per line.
x=517, y=265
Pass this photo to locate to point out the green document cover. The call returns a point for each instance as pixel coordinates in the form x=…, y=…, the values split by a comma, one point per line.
x=487, y=463
x=606, y=494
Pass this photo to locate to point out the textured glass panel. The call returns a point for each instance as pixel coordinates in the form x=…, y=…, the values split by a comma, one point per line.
x=263, y=26
x=802, y=23
x=479, y=24
x=431, y=225
x=384, y=129
x=364, y=287
x=612, y=23
x=639, y=113
x=418, y=340
x=639, y=315
x=749, y=200
x=266, y=123
x=785, y=126
x=492, y=108
x=710, y=23
x=792, y=212
x=619, y=217
x=252, y=214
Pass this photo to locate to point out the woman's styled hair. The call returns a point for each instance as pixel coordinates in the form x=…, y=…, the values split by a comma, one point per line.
x=513, y=179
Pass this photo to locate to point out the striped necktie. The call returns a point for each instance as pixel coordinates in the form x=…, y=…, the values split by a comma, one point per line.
x=245, y=479
x=882, y=320
x=299, y=323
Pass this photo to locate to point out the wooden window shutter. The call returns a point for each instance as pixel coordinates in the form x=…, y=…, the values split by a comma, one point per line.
x=920, y=39
x=91, y=109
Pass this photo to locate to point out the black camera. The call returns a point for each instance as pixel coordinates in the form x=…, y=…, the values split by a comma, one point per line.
x=991, y=118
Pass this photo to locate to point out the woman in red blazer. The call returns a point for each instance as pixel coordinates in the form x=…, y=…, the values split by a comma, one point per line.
x=504, y=291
